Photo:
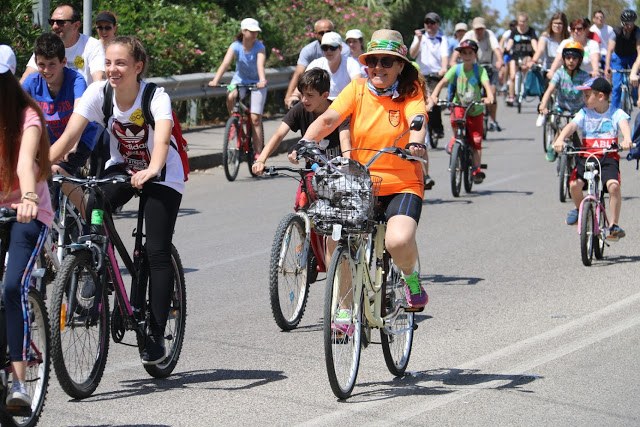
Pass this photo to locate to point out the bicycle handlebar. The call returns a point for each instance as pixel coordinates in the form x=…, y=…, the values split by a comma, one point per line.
x=8, y=215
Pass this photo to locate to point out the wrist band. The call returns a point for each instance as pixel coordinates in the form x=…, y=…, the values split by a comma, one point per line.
x=260, y=161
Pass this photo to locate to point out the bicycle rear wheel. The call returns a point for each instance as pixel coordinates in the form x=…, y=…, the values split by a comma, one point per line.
x=288, y=278
x=548, y=133
x=397, y=336
x=455, y=169
x=342, y=335
x=176, y=320
x=37, y=378
x=79, y=338
x=231, y=148
x=625, y=97
x=564, y=174
x=586, y=234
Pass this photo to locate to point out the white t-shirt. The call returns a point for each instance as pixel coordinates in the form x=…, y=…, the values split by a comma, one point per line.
x=431, y=52
x=485, y=47
x=348, y=70
x=86, y=57
x=591, y=47
x=606, y=34
x=131, y=138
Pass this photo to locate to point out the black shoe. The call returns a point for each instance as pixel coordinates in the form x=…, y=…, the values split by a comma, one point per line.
x=428, y=182
x=153, y=352
x=439, y=134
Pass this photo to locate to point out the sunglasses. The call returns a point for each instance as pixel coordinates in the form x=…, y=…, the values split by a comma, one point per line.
x=331, y=48
x=322, y=33
x=106, y=28
x=60, y=22
x=385, y=61
x=430, y=22
x=627, y=24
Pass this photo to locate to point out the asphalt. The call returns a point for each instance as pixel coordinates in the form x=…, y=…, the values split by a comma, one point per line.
x=205, y=144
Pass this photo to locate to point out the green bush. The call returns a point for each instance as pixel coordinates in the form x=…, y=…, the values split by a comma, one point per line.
x=18, y=30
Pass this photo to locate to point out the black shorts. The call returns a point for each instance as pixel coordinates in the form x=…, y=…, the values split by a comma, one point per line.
x=610, y=170
x=76, y=160
x=401, y=204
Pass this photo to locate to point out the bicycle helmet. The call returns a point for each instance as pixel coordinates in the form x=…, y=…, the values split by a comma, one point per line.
x=573, y=49
x=628, y=15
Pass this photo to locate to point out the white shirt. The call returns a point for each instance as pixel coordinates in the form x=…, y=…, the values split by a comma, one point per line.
x=349, y=68
x=129, y=133
x=432, y=50
x=485, y=47
x=606, y=34
x=86, y=57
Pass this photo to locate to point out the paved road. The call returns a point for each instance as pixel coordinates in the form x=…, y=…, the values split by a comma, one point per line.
x=517, y=331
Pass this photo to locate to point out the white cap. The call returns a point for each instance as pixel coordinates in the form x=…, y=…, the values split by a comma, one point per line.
x=332, y=39
x=461, y=26
x=250, y=24
x=7, y=59
x=353, y=34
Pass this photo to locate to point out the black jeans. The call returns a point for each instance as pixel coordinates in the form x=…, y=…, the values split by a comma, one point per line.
x=435, y=115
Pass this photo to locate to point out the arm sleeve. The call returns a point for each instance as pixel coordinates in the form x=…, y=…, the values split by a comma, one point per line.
x=344, y=104
x=493, y=41
x=292, y=118
x=90, y=105
x=79, y=84
x=161, y=105
x=484, y=77
x=30, y=118
x=415, y=106
x=578, y=119
x=306, y=55
x=95, y=58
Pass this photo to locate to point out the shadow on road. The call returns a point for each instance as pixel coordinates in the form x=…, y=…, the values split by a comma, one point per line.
x=476, y=193
x=451, y=280
x=133, y=213
x=618, y=259
x=447, y=201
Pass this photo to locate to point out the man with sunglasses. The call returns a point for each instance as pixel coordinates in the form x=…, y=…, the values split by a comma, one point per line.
x=308, y=53
x=622, y=53
x=84, y=54
x=430, y=48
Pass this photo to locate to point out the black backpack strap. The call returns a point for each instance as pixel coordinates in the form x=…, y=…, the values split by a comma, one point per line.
x=147, y=96
x=107, y=105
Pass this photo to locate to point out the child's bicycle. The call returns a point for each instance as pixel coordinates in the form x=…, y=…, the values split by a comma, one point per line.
x=81, y=323
x=37, y=378
x=364, y=290
x=297, y=255
x=237, y=145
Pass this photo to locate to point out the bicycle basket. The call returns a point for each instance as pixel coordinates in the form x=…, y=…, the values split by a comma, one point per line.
x=347, y=195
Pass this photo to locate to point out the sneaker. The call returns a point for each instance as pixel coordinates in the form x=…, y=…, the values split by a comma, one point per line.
x=416, y=295
x=616, y=233
x=478, y=175
x=439, y=134
x=428, y=182
x=450, y=145
x=551, y=154
x=491, y=127
x=343, y=322
x=572, y=217
x=153, y=352
x=510, y=101
x=18, y=395
x=496, y=127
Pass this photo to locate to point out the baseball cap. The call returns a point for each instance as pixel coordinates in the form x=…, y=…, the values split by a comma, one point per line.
x=467, y=44
x=460, y=26
x=106, y=17
x=353, y=34
x=331, y=39
x=432, y=16
x=7, y=59
x=596, y=83
x=250, y=24
x=478, y=22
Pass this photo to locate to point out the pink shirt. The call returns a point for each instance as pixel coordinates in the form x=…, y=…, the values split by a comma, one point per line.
x=45, y=212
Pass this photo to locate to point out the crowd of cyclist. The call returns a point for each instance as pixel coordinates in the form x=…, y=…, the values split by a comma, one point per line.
x=355, y=95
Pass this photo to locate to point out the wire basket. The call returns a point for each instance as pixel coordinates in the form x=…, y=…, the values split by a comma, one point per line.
x=346, y=195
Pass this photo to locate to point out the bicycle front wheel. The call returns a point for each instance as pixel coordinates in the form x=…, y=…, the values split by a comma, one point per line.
x=625, y=97
x=79, y=338
x=519, y=89
x=342, y=324
x=467, y=168
x=231, y=148
x=548, y=134
x=598, y=249
x=455, y=169
x=397, y=335
x=563, y=177
x=433, y=141
x=288, y=277
x=37, y=378
x=586, y=234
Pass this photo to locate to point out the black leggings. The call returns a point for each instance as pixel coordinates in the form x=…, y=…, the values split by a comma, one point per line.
x=160, y=211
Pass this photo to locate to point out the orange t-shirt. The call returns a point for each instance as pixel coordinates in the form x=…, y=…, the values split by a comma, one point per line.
x=376, y=122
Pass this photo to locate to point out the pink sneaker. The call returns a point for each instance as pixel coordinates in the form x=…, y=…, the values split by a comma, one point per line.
x=343, y=322
x=416, y=295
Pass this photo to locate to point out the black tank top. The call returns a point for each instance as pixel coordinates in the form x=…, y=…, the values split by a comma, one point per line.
x=625, y=46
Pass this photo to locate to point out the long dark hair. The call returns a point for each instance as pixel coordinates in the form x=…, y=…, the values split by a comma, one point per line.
x=408, y=82
x=13, y=101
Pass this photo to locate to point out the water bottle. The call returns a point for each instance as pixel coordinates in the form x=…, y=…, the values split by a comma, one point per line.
x=96, y=226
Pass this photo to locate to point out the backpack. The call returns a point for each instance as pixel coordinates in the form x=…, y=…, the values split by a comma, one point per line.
x=534, y=83
x=454, y=86
x=147, y=95
x=634, y=152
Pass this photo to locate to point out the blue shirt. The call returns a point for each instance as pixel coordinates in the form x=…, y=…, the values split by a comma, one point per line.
x=57, y=112
x=246, y=63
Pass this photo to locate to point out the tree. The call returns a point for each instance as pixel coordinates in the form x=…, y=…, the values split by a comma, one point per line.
x=611, y=8
x=538, y=11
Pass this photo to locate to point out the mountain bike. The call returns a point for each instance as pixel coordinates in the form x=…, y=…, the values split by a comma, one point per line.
x=80, y=325
x=364, y=290
x=626, y=99
x=238, y=133
x=297, y=255
x=37, y=378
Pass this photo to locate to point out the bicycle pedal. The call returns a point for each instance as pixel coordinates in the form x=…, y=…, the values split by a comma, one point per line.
x=414, y=309
x=483, y=166
x=19, y=411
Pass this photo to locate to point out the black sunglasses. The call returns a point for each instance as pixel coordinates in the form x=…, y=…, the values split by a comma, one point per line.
x=60, y=22
x=428, y=22
x=327, y=47
x=322, y=33
x=106, y=28
x=385, y=61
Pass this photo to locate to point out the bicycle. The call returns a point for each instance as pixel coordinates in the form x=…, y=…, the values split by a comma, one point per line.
x=461, y=161
x=80, y=326
x=490, y=70
x=566, y=160
x=519, y=85
x=549, y=127
x=237, y=144
x=297, y=255
x=37, y=378
x=361, y=277
x=626, y=99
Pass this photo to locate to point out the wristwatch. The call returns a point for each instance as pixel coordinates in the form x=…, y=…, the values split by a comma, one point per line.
x=32, y=197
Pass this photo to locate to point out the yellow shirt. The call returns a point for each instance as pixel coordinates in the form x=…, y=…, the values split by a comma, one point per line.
x=376, y=122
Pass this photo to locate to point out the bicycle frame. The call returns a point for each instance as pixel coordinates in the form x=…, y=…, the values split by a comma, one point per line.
x=242, y=112
x=595, y=193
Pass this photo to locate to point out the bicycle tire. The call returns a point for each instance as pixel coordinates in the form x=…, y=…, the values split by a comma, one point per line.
x=548, y=133
x=37, y=377
x=341, y=350
x=433, y=141
x=586, y=233
x=251, y=153
x=288, y=280
x=176, y=321
x=563, y=177
x=625, y=97
x=598, y=249
x=485, y=123
x=467, y=169
x=396, y=345
x=78, y=373
x=455, y=169
x=230, y=148
x=518, y=90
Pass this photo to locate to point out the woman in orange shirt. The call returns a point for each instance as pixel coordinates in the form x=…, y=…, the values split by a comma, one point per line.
x=381, y=108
